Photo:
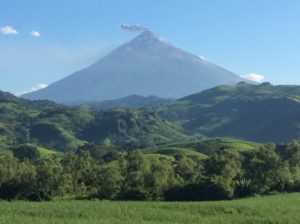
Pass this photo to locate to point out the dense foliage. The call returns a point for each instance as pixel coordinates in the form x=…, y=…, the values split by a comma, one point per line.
x=261, y=113
x=104, y=173
x=65, y=128
x=101, y=160
x=132, y=102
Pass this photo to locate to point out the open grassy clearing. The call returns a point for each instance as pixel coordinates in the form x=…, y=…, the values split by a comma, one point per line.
x=42, y=150
x=272, y=209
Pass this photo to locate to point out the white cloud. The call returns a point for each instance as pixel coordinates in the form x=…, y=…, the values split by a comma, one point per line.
x=39, y=86
x=203, y=58
x=35, y=33
x=33, y=89
x=7, y=30
x=254, y=77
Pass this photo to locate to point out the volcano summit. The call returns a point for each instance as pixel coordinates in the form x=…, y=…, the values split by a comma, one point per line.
x=145, y=66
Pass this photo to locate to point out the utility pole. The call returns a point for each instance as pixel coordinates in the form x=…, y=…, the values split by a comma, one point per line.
x=28, y=135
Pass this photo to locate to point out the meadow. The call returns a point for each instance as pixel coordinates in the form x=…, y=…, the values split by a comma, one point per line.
x=282, y=208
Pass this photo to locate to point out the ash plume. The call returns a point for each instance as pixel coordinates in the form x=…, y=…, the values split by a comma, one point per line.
x=133, y=27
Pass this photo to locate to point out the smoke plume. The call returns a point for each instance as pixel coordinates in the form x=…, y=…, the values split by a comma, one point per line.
x=133, y=27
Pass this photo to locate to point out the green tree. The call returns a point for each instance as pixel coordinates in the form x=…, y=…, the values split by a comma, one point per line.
x=160, y=178
x=17, y=179
x=293, y=156
x=222, y=169
x=49, y=177
x=78, y=173
x=265, y=170
x=188, y=170
x=137, y=171
x=109, y=181
x=23, y=152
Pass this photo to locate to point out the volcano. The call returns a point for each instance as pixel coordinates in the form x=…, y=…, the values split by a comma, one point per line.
x=145, y=66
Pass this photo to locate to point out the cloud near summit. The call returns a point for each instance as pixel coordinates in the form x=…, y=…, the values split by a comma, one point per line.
x=254, y=77
x=33, y=89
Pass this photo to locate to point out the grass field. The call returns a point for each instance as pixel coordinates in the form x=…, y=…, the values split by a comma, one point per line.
x=42, y=150
x=212, y=145
x=272, y=209
x=172, y=151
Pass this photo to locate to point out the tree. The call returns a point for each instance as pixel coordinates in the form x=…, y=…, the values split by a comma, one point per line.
x=137, y=171
x=265, y=170
x=109, y=181
x=188, y=170
x=100, y=153
x=222, y=170
x=29, y=152
x=78, y=173
x=291, y=156
x=49, y=177
x=17, y=179
x=160, y=178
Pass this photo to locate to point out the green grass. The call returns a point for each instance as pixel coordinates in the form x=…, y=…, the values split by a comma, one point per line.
x=172, y=151
x=202, y=149
x=237, y=144
x=5, y=152
x=212, y=145
x=46, y=152
x=272, y=209
x=43, y=151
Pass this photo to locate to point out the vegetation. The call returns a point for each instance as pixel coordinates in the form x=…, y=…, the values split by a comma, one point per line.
x=64, y=128
x=272, y=209
x=101, y=160
x=261, y=113
x=209, y=146
x=104, y=172
x=133, y=102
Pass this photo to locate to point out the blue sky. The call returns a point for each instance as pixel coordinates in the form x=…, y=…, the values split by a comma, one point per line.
x=244, y=36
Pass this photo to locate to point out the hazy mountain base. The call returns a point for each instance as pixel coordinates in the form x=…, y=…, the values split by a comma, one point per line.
x=129, y=102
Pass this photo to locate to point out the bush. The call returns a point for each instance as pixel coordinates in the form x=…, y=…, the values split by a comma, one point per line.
x=26, y=152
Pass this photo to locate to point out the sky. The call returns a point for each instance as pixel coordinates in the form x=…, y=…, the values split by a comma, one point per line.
x=44, y=41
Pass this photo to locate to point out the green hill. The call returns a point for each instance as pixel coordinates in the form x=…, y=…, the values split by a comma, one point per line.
x=130, y=102
x=138, y=128
x=259, y=113
x=175, y=151
x=202, y=149
x=262, y=113
x=210, y=146
x=65, y=128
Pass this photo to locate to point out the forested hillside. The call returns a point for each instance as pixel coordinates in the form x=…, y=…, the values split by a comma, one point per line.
x=101, y=160
x=263, y=113
x=65, y=128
